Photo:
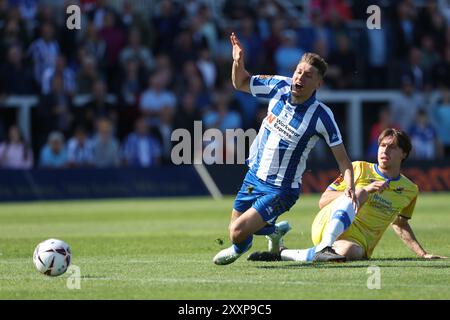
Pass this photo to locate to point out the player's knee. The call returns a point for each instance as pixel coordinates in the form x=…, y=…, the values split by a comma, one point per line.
x=350, y=251
x=237, y=235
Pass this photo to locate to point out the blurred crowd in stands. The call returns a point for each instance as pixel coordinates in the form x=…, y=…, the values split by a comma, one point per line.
x=111, y=93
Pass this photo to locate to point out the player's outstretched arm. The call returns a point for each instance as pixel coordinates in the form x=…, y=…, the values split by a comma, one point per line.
x=405, y=232
x=239, y=76
x=346, y=169
x=362, y=194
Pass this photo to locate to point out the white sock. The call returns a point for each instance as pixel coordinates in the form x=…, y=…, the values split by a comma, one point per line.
x=298, y=255
x=341, y=218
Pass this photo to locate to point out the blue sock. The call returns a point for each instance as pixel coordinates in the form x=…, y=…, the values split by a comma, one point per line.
x=265, y=231
x=244, y=245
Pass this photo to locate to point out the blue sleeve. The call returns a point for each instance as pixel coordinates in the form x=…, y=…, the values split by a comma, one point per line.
x=267, y=86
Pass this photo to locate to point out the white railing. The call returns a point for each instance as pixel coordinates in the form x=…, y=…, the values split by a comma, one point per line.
x=24, y=103
x=353, y=99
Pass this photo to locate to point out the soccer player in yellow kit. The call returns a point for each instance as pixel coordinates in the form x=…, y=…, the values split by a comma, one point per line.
x=385, y=196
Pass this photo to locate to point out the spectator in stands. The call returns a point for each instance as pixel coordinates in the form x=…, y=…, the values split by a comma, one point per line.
x=424, y=138
x=114, y=38
x=87, y=75
x=222, y=59
x=184, y=49
x=140, y=148
x=191, y=81
x=187, y=113
x=441, y=70
x=414, y=70
x=15, y=152
x=308, y=35
x=384, y=121
x=44, y=51
x=136, y=51
x=332, y=7
x=287, y=54
x=267, y=11
x=54, y=153
x=404, y=108
x=100, y=106
x=204, y=27
x=61, y=70
x=442, y=120
x=94, y=45
x=97, y=12
x=251, y=42
x=156, y=98
x=165, y=129
x=167, y=21
x=342, y=65
x=432, y=22
x=221, y=116
x=79, y=149
x=207, y=68
x=430, y=56
x=15, y=77
x=271, y=44
x=131, y=84
x=405, y=29
x=12, y=32
x=130, y=91
x=105, y=147
x=377, y=48
x=56, y=109
x=128, y=18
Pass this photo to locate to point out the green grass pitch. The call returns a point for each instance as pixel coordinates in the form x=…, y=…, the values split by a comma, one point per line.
x=163, y=249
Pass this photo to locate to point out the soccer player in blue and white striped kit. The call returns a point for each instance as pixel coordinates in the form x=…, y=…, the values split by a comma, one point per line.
x=277, y=160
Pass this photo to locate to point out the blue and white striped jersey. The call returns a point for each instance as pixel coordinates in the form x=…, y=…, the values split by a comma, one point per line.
x=278, y=154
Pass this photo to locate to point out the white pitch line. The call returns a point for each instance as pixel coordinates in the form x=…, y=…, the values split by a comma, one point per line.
x=236, y=281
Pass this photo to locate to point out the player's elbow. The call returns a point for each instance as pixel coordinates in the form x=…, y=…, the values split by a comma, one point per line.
x=239, y=85
x=235, y=85
x=324, y=200
x=322, y=203
x=241, y=82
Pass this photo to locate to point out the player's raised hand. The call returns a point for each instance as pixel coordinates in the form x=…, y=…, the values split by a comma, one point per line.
x=238, y=51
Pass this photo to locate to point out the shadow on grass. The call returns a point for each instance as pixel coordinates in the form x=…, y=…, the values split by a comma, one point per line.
x=420, y=263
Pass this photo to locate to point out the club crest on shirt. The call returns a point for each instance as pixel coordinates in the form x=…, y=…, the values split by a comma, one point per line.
x=399, y=189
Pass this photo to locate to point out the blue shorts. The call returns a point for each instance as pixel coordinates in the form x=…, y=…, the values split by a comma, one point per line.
x=270, y=201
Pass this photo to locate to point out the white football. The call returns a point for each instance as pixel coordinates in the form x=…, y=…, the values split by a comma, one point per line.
x=52, y=257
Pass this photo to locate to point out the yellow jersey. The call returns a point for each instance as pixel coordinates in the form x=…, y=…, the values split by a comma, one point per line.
x=377, y=213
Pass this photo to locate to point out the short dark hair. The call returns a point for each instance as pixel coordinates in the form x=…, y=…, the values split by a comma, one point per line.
x=400, y=137
x=316, y=61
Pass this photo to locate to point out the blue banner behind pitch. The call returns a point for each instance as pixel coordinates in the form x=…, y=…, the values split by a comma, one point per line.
x=41, y=184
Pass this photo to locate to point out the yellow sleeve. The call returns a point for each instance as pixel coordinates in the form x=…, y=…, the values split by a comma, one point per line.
x=408, y=211
x=339, y=183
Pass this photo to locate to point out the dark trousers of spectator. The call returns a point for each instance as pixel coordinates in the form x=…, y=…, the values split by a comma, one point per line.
x=377, y=77
x=447, y=151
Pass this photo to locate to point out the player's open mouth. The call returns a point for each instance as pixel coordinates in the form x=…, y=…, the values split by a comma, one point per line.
x=297, y=86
